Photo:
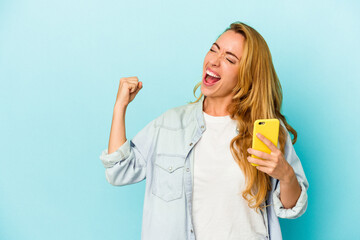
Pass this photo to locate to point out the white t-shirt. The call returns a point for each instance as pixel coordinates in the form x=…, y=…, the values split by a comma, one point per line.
x=219, y=211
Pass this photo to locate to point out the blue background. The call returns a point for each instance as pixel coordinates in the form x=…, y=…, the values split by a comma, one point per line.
x=60, y=65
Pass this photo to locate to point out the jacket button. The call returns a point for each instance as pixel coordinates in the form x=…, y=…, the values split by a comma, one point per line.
x=187, y=169
x=191, y=144
x=170, y=168
x=191, y=231
x=202, y=126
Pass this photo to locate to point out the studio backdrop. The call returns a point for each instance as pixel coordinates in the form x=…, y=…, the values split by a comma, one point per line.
x=60, y=66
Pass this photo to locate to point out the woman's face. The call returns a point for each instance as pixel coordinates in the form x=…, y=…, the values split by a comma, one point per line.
x=222, y=61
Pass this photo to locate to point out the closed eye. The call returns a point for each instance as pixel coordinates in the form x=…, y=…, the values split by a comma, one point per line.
x=230, y=61
x=211, y=50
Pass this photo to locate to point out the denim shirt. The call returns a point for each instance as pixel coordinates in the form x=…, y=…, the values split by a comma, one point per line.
x=163, y=154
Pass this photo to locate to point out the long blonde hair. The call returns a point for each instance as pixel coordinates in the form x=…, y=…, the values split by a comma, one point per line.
x=257, y=95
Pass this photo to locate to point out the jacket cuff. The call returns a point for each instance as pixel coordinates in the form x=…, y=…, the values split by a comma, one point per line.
x=294, y=212
x=109, y=160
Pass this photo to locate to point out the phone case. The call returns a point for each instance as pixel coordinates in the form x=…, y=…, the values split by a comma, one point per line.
x=268, y=128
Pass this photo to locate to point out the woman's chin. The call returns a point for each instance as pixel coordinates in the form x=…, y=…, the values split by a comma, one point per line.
x=205, y=90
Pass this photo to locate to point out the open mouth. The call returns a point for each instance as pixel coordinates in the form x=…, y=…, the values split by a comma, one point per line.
x=211, y=79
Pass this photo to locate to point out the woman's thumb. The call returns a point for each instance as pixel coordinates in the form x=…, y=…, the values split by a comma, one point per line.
x=139, y=87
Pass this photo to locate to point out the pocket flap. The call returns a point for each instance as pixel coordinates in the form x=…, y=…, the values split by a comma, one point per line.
x=169, y=163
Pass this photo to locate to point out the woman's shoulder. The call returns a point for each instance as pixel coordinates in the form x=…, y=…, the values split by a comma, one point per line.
x=177, y=117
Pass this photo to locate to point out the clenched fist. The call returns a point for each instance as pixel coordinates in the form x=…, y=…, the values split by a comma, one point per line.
x=128, y=88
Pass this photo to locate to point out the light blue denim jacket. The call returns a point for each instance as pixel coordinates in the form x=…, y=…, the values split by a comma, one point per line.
x=162, y=152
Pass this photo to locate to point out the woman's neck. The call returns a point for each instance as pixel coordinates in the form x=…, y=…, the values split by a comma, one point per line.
x=216, y=106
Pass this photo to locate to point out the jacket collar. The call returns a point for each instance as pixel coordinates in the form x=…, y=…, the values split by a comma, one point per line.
x=199, y=113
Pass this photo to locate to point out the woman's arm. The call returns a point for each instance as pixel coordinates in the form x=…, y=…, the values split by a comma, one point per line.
x=128, y=88
x=124, y=162
x=117, y=132
x=291, y=197
x=290, y=190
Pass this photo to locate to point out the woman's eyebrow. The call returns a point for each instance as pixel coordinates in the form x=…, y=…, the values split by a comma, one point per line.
x=226, y=52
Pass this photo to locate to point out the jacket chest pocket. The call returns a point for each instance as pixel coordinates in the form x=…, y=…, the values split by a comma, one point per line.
x=168, y=177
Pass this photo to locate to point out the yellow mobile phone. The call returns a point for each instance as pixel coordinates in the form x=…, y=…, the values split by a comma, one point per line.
x=268, y=128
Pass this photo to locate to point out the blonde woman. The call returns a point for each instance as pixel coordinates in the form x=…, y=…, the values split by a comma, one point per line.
x=200, y=183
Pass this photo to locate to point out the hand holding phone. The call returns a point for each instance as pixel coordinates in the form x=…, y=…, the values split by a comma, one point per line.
x=269, y=128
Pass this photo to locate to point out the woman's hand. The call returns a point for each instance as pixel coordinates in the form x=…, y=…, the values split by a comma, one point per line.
x=128, y=88
x=274, y=164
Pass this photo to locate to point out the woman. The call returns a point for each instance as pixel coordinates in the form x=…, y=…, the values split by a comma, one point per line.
x=196, y=158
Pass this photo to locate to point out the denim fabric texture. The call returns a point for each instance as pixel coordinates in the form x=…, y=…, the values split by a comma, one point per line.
x=162, y=153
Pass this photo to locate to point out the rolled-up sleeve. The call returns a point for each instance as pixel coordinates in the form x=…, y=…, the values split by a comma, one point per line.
x=109, y=160
x=127, y=165
x=302, y=202
x=295, y=211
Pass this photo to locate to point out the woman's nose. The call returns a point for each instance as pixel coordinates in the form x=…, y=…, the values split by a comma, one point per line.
x=215, y=60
